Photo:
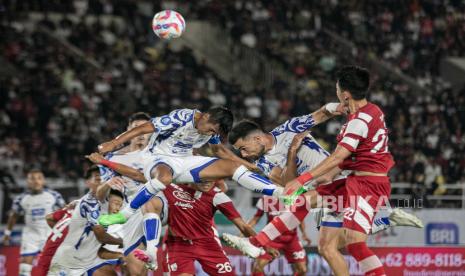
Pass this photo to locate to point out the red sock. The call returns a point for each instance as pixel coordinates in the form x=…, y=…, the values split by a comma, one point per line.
x=368, y=261
x=287, y=221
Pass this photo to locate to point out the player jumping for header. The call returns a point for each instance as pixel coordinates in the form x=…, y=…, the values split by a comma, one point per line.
x=171, y=159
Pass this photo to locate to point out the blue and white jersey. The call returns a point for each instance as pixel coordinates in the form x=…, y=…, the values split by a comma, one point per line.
x=79, y=248
x=35, y=207
x=175, y=134
x=132, y=159
x=309, y=155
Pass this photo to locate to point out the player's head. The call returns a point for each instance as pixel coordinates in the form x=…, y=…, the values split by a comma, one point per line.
x=92, y=178
x=35, y=180
x=352, y=84
x=216, y=120
x=248, y=139
x=115, y=201
x=135, y=120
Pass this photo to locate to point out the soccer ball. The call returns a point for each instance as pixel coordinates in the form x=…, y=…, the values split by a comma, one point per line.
x=168, y=24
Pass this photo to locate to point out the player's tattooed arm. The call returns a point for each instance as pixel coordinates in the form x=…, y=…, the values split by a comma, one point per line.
x=126, y=137
x=104, y=238
x=223, y=152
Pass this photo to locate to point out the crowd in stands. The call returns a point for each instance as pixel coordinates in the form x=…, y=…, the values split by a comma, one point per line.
x=58, y=107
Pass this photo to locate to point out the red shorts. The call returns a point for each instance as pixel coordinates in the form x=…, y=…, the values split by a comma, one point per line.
x=334, y=193
x=292, y=250
x=181, y=255
x=365, y=195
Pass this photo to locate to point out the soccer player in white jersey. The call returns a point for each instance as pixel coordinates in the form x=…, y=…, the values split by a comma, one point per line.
x=288, y=151
x=132, y=232
x=174, y=136
x=78, y=252
x=34, y=204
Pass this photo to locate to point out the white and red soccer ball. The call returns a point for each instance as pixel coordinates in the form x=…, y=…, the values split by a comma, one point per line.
x=168, y=24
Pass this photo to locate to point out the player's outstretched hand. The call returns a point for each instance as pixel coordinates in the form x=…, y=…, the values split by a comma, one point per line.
x=306, y=239
x=95, y=158
x=273, y=252
x=106, y=147
x=116, y=183
x=297, y=140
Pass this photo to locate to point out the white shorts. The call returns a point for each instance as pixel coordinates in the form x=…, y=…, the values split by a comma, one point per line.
x=32, y=242
x=132, y=232
x=328, y=218
x=185, y=169
x=59, y=270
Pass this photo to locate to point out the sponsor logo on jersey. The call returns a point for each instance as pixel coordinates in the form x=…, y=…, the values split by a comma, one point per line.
x=174, y=267
x=183, y=196
x=183, y=205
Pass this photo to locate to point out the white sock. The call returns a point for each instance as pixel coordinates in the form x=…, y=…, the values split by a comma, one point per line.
x=253, y=181
x=380, y=224
x=25, y=269
x=150, y=189
x=152, y=231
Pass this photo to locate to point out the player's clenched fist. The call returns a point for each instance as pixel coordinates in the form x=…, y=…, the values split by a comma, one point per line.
x=95, y=158
x=106, y=147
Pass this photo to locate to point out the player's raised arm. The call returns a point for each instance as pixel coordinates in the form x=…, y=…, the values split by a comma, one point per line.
x=117, y=167
x=223, y=152
x=336, y=158
x=327, y=112
x=126, y=137
x=290, y=171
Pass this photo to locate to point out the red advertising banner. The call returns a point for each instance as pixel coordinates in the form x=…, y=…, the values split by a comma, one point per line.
x=406, y=261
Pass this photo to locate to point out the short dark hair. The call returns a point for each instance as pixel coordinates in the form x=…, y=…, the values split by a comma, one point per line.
x=88, y=173
x=354, y=79
x=35, y=170
x=116, y=193
x=139, y=116
x=222, y=116
x=242, y=129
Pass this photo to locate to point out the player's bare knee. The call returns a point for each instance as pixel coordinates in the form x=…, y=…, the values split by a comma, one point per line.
x=325, y=248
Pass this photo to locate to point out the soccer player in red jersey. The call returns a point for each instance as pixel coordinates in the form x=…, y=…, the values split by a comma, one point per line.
x=362, y=148
x=288, y=242
x=58, y=221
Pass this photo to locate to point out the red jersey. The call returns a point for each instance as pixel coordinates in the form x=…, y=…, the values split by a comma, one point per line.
x=366, y=136
x=191, y=212
x=273, y=208
x=54, y=240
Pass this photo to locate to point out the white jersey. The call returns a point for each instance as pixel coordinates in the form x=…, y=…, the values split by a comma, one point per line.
x=35, y=207
x=132, y=159
x=309, y=155
x=80, y=247
x=176, y=135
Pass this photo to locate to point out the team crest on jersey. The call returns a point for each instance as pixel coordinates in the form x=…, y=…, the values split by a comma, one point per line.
x=174, y=267
x=166, y=120
x=183, y=196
